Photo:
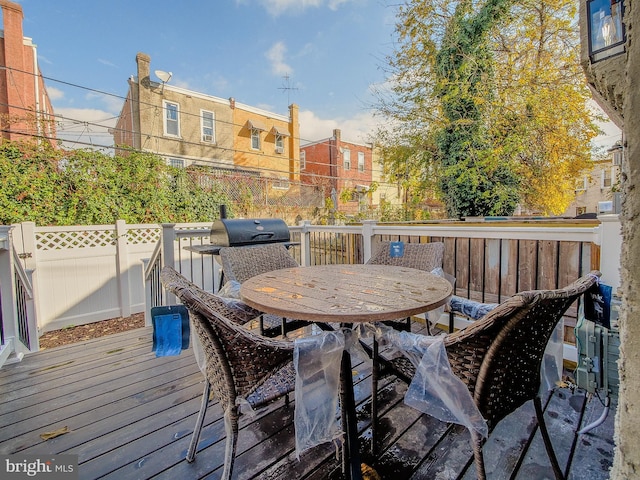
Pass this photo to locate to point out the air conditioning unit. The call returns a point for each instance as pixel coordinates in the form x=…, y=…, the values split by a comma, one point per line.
x=207, y=138
x=279, y=149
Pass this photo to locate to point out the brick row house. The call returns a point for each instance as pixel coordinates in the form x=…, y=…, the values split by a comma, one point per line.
x=344, y=170
x=191, y=128
x=25, y=107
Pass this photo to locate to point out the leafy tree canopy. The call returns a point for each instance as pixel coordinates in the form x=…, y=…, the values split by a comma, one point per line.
x=494, y=100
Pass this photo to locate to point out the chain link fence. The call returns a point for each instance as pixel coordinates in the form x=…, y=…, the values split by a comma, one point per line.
x=255, y=196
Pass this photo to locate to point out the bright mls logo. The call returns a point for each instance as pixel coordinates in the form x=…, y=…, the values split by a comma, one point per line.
x=51, y=467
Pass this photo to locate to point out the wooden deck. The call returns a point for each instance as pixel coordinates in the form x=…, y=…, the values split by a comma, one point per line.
x=130, y=416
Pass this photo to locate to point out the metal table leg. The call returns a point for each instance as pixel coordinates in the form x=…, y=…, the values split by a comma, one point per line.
x=348, y=411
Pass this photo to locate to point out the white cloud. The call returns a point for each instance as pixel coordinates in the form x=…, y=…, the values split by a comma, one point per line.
x=278, y=7
x=82, y=127
x=276, y=55
x=334, y=4
x=106, y=62
x=112, y=103
x=54, y=93
x=357, y=129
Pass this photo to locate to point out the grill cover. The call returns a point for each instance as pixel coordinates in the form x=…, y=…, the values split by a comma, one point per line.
x=234, y=232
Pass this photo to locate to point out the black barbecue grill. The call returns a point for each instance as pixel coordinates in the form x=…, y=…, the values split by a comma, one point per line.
x=241, y=232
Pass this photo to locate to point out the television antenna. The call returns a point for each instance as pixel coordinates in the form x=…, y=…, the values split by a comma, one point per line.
x=286, y=86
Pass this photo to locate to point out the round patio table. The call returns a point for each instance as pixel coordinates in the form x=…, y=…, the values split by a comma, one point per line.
x=346, y=294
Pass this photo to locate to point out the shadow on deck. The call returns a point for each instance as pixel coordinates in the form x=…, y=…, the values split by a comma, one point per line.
x=130, y=416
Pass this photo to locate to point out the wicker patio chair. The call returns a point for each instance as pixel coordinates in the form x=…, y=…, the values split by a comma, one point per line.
x=423, y=256
x=241, y=263
x=239, y=363
x=499, y=356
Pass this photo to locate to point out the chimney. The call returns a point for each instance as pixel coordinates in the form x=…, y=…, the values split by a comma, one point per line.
x=144, y=61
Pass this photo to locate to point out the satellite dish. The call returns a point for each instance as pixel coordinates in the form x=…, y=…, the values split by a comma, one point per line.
x=163, y=76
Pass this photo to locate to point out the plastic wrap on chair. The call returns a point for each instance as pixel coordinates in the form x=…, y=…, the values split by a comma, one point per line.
x=433, y=316
x=230, y=295
x=470, y=308
x=435, y=390
x=317, y=361
x=198, y=351
x=231, y=289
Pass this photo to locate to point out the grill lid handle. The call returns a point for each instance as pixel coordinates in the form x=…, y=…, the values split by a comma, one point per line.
x=260, y=234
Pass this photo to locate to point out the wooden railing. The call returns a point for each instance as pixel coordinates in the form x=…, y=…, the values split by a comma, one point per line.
x=490, y=260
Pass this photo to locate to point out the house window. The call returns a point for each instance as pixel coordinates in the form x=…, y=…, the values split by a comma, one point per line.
x=303, y=159
x=171, y=119
x=279, y=144
x=207, y=120
x=606, y=178
x=255, y=138
x=346, y=159
x=176, y=162
x=582, y=184
x=361, y=161
x=606, y=31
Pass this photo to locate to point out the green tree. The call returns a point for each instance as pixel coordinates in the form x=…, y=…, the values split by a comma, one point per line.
x=542, y=119
x=480, y=111
x=83, y=187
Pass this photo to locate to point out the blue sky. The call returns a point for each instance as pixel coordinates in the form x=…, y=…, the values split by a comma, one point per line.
x=332, y=51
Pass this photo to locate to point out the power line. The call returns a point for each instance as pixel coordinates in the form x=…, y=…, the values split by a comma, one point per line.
x=85, y=124
x=124, y=98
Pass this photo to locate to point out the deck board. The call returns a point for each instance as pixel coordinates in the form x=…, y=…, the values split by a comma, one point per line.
x=131, y=416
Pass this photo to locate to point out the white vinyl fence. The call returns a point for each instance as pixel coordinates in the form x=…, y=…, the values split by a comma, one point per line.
x=84, y=274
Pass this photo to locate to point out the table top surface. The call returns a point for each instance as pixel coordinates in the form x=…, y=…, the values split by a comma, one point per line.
x=346, y=293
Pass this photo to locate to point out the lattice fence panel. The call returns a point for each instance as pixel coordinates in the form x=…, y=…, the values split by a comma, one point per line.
x=67, y=240
x=140, y=236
